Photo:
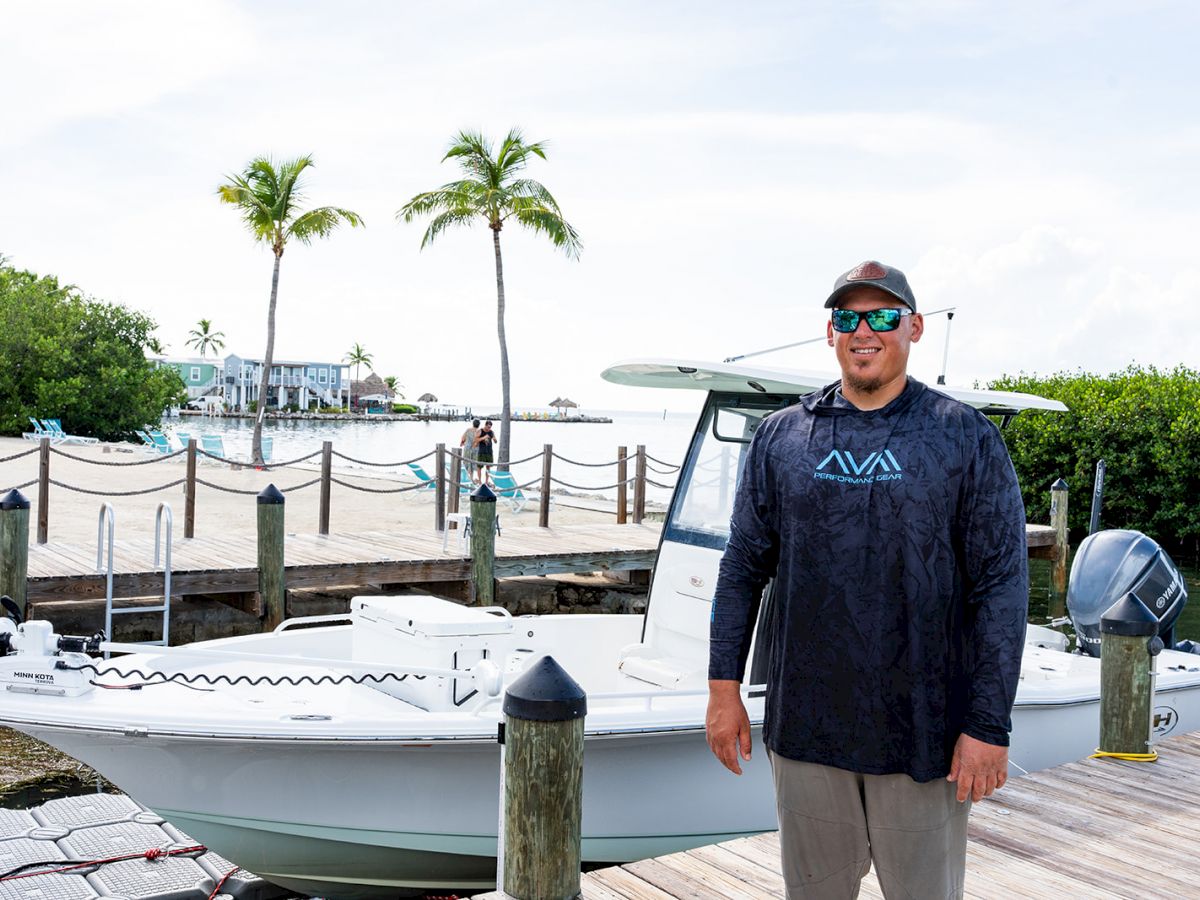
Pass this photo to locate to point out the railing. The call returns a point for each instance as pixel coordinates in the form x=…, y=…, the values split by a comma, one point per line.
x=448, y=482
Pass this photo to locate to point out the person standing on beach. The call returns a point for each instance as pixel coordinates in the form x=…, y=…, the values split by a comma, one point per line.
x=890, y=518
x=483, y=449
x=466, y=446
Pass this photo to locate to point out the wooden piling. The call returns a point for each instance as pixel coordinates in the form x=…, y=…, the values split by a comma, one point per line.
x=326, y=486
x=456, y=464
x=622, y=484
x=14, y=547
x=439, y=504
x=639, y=486
x=544, y=712
x=1062, y=548
x=483, y=546
x=43, y=533
x=1128, y=632
x=544, y=509
x=272, y=584
x=189, y=492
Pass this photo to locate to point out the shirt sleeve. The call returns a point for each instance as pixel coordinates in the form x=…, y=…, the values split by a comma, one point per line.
x=997, y=582
x=750, y=559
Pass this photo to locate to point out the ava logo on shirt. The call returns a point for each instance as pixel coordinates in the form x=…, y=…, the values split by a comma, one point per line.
x=841, y=466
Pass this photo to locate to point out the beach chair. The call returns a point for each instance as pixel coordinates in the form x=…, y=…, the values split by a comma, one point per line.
x=147, y=441
x=268, y=444
x=183, y=437
x=54, y=426
x=212, y=445
x=506, y=489
x=161, y=444
x=423, y=477
x=38, y=432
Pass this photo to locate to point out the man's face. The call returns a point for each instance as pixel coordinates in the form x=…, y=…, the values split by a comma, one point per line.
x=871, y=360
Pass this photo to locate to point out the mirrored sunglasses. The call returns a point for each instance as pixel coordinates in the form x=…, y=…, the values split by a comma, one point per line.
x=846, y=320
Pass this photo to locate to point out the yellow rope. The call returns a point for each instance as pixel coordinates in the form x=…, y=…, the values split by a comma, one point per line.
x=1128, y=757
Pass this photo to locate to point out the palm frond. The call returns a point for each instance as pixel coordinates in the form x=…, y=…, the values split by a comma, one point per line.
x=320, y=222
x=455, y=195
x=543, y=220
x=449, y=219
x=528, y=189
x=473, y=153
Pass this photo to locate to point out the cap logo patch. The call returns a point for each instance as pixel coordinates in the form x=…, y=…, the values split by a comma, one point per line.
x=868, y=271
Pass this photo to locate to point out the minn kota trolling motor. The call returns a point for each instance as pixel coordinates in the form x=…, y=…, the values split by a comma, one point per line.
x=35, y=660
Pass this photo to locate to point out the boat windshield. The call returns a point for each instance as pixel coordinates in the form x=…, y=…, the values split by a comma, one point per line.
x=704, y=500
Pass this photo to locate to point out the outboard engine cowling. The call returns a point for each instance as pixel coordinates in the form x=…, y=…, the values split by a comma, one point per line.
x=1111, y=564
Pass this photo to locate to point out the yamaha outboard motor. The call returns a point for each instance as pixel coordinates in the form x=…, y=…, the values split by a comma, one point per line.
x=1111, y=564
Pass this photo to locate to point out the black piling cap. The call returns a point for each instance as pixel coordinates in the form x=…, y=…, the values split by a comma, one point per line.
x=545, y=693
x=1130, y=617
x=14, y=499
x=483, y=494
x=270, y=496
x=1059, y=485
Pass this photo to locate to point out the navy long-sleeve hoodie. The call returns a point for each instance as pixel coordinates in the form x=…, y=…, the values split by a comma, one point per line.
x=897, y=540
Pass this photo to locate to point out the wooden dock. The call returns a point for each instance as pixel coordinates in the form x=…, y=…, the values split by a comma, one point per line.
x=1100, y=829
x=223, y=565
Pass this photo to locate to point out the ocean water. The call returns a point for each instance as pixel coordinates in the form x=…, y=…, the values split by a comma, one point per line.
x=665, y=434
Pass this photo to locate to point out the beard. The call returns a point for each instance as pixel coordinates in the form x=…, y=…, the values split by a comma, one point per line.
x=861, y=384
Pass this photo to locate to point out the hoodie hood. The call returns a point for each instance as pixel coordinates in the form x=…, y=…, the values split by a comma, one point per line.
x=828, y=402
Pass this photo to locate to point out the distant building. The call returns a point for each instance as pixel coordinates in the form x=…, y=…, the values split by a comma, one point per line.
x=303, y=384
x=371, y=391
x=237, y=380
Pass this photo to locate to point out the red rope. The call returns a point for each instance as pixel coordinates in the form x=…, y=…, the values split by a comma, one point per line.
x=221, y=883
x=151, y=854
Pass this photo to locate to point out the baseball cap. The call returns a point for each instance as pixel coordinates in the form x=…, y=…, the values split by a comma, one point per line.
x=877, y=275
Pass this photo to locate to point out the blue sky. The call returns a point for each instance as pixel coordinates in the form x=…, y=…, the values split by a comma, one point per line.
x=1033, y=164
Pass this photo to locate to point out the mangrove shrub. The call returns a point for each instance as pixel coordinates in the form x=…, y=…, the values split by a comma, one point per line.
x=77, y=359
x=1144, y=423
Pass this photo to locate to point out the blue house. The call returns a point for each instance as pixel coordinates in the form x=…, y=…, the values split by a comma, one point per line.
x=304, y=384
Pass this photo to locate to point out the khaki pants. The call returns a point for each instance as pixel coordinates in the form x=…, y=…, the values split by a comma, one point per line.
x=833, y=824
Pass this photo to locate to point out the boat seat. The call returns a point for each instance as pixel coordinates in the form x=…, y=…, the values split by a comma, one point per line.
x=674, y=651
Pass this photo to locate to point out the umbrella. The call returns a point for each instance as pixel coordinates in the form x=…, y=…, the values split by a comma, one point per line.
x=561, y=403
x=427, y=398
x=556, y=402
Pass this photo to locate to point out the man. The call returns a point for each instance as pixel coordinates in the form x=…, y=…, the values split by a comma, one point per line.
x=890, y=518
x=467, y=447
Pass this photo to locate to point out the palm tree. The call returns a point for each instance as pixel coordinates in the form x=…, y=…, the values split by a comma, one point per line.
x=268, y=196
x=492, y=190
x=203, y=338
x=358, y=357
x=394, y=385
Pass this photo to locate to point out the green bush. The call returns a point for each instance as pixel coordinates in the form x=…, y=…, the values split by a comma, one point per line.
x=79, y=359
x=406, y=408
x=1145, y=425
x=330, y=409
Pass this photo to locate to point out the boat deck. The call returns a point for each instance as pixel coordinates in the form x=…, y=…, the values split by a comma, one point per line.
x=1100, y=829
x=217, y=565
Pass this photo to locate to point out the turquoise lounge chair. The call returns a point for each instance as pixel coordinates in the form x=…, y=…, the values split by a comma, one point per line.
x=506, y=488
x=183, y=437
x=38, y=432
x=268, y=445
x=423, y=477
x=54, y=426
x=161, y=444
x=212, y=445
x=147, y=441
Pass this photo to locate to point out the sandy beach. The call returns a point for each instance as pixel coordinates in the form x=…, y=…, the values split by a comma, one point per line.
x=104, y=467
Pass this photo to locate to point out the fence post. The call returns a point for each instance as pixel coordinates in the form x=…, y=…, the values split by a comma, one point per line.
x=439, y=505
x=189, y=492
x=639, y=486
x=542, y=788
x=44, y=491
x=1062, y=548
x=272, y=584
x=622, y=484
x=455, y=480
x=14, y=547
x=1129, y=642
x=326, y=485
x=483, y=546
x=544, y=509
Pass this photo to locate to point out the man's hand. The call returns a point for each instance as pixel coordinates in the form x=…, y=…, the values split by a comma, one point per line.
x=978, y=767
x=727, y=725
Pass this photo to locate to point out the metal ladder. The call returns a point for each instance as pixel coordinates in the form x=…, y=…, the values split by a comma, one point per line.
x=105, y=528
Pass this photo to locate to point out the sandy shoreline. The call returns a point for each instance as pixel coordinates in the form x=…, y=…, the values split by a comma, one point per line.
x=73, y=515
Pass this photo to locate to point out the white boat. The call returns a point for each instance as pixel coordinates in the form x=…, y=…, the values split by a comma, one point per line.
x=357, y=756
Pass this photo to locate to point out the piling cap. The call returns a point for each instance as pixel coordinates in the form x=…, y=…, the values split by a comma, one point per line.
x=14, y=499
x=1130, y=617
x=545, y=693
x=483, y=494
x=1059, y=485
x=270, y=496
